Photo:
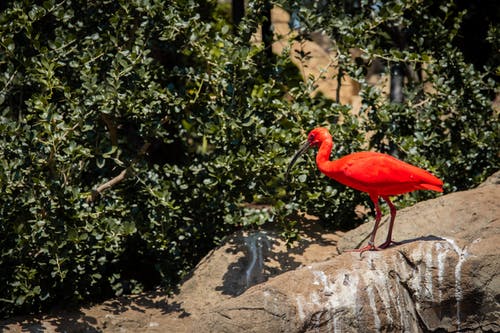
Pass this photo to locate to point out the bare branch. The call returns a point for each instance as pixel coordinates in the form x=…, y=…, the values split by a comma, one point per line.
x=121, y=176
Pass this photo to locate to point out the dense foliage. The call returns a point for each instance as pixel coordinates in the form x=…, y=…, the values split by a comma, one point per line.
x=203, y=123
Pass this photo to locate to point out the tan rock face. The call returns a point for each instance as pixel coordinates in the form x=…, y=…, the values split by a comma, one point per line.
x=418, y=287
x=445, y=277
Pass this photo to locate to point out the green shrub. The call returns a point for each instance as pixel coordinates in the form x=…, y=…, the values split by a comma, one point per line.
x=194, y=116
x=201, y=122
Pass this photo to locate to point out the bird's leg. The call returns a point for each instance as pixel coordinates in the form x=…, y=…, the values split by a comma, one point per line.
x=371, y=243
x=389, y=240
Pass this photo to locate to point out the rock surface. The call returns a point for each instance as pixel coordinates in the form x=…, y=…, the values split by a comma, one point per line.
x=444, y=277
x=418, y=287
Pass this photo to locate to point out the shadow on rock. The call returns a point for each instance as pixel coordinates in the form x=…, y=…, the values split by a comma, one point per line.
x=259, y=255
x=76, y=322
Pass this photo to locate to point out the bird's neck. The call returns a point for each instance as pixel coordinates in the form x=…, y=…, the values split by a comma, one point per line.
x=323, y=157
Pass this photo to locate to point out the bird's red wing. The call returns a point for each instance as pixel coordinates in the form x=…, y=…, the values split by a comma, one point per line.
x=382, y=174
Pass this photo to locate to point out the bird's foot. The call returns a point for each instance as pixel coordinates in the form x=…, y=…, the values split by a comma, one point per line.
x=369, y=247
x=388, y=243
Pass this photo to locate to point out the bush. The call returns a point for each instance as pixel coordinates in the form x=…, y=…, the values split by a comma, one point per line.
x=160, y=91
x=200, y=124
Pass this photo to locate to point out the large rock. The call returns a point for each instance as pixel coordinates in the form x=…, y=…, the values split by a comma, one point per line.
x=419, y=287
x=445, y=277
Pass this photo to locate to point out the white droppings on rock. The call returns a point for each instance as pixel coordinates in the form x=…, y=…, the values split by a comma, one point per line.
x=396, y=302
x=421, y=284
x=341, y=290
x=336, y=325
x=252, y=250
x=375, y=278
x=315, y=299
x=441, y=256
x=300, y=306
x=428, y=278
x=318, y=322
x=402, y=305
x=462, y=256
x=400, y=273
x=422, y=277
x=371, y=299
x=334, y=293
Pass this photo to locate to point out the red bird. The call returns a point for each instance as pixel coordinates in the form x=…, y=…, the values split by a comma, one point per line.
x=379, y=175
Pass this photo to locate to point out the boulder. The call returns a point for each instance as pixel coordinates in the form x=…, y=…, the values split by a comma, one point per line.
x=444, y=277
x=426, y=285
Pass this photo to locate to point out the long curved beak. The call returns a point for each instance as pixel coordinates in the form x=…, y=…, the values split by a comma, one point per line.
x=301, y=151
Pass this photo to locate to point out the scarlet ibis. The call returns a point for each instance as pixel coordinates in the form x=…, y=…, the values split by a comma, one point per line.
x=379, y=175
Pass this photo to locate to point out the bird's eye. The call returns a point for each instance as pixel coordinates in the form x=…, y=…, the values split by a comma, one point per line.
x=311, y=137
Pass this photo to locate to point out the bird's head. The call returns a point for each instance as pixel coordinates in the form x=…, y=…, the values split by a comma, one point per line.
x=314, y=138
x=317, y=136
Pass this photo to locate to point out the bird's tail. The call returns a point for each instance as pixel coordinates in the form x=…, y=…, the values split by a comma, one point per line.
x=427, y=181
x=432, y=187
